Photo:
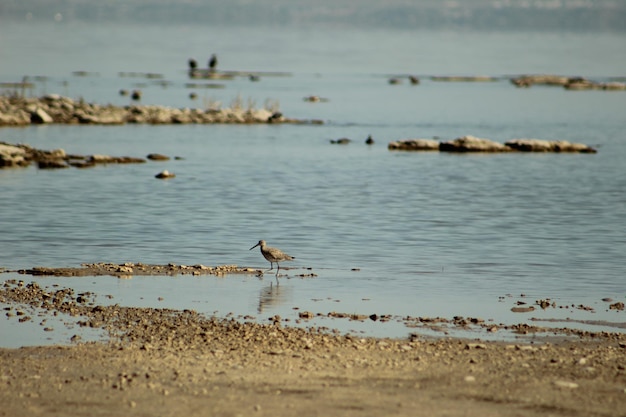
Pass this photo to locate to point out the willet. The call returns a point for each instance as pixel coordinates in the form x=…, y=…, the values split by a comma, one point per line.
x=272, y=255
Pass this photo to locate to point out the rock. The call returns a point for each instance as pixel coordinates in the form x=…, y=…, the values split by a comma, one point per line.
x=566, y=384
x=275, y=117
x=12, y=156
x=543, y=79
x=52, y=164
x=157, y=157
x=617, y=306
x=136, y=95
x=580, y=84
x=475, y=346
x=613, y=86
x=39, y=116
x=16, y=111
x=165, y=174
x=414, y=145
x=538, y=145
x=522, y=309
x=106, y=159
x=472, y=144
x=464, y=78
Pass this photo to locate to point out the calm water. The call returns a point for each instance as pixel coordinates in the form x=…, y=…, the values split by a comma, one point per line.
x=431, y=234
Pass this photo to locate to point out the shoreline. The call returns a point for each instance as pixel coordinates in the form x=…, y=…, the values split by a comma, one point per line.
x=526, y=330
x=163, y=361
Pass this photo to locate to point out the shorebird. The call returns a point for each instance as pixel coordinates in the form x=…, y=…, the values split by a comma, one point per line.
x=272, y=255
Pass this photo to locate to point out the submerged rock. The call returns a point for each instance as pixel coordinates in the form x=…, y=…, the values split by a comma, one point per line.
x=341, y=141
x=158, y=157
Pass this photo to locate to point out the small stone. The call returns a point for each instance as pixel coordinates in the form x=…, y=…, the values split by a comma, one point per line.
x=475, y=346
x=470, y=378
x=566, y=384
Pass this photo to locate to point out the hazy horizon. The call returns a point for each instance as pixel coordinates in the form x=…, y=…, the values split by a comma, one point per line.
x=539, y=15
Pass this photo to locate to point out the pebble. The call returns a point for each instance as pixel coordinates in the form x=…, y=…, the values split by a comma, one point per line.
x=566, y=384
x=470, y=378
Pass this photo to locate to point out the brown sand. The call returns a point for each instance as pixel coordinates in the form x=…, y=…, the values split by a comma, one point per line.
x=163, y=362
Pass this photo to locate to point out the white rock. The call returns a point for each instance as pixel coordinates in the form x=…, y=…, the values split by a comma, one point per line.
x=566, y=384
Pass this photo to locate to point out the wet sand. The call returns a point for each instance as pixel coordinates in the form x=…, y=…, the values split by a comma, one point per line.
x=171, y=362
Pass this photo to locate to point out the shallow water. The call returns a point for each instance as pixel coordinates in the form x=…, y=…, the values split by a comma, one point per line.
x=428, y=234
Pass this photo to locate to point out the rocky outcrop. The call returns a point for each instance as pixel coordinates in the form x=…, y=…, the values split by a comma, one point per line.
x=538, y=145
x=24, y=155
x=541, y=79
x=414, y=145
x=474, y=144
x=19, y=111
x=569, y=83
x=12, y=156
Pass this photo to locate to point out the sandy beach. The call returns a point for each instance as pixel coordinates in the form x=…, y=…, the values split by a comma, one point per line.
x=168, y=362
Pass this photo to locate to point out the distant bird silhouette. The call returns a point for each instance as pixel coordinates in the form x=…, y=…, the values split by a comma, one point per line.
x=213, y=62
x=272, y=255
x=192, y=64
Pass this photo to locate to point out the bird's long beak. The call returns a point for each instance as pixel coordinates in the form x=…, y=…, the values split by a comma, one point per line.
x=254, y=246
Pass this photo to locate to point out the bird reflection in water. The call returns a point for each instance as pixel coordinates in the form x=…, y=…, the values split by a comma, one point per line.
x=273, y=296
